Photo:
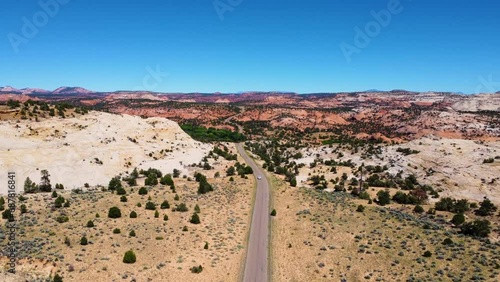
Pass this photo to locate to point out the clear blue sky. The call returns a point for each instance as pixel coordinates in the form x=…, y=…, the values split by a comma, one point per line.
x=275, y=45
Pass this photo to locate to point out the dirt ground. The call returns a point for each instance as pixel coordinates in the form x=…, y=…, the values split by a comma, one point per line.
x=164, y=251
x=319, y=236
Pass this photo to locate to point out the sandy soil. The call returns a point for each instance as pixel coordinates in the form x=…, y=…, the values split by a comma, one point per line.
x=164, y=252
x=319, y=236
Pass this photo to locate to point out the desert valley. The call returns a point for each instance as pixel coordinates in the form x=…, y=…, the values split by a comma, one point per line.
x=365, y=186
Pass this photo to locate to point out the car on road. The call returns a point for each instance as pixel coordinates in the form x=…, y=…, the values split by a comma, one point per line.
x=259, y=177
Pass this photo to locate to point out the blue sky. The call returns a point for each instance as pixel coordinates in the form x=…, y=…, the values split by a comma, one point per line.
x=243, y=45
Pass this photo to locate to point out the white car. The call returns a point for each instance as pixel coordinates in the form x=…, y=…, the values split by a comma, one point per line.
x=259, y=177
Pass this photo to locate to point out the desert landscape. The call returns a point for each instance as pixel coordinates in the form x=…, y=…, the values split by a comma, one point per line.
x=328, y=170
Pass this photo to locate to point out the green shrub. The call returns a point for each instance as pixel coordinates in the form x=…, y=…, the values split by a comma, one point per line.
x=273, y=212
x=384, y=198
x=114, y=212
x=121, y=191
x=478, y=228
x=123, y=199
x=83, y=241
x=360, y=208
x=90, y=224
x=165, y=217
x=133, y=214
x=181, y=207
x=195, y=219
x=117, y=231
x=114, y=184
x=143, y=191
x=165, y=204
x=7, y=214
x=157, y=214
x=59, y=202
x=129, y=257
x=458, y=219
x=150, y=206
x=418, y=209
x=447, y=241
x=427, y=254
x=62, y=219
x=486, y=207
x=57, y=278
x=196, y=269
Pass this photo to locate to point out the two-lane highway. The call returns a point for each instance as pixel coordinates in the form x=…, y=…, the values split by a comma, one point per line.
x=256, y=261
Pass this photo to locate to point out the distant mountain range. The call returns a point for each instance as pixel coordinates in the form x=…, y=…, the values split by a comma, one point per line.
x=66, y=90
x=59, y=91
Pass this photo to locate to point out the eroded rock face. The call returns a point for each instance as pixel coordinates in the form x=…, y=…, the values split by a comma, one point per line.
x=396, y=115
x=93, y=148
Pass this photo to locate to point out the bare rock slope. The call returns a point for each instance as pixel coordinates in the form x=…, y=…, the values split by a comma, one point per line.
x=93, y=148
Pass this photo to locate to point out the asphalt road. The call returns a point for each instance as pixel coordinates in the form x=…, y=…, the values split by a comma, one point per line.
x=256, y=263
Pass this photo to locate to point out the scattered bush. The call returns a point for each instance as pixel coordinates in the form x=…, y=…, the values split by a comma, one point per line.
x=90, y=224
x=273, y=212
x=486, y=208
x=195, y=219
x=7, y=214
x=458, y=219
x=114, y=184
x=196, y=269
x=181, y=207
x=129, y=257
x=121, y=191
x=447, y=241
x=478, y=228
x=165, y=205
x=150, y=206
x=62, y=219
x=57, y=278
x=58, y=203
x=83, y=241
x=360, y=208
x=418, y=209
x=114, y=212
x=143, y=191
x=384, y=198
x=133, y=214
x=117, y=231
